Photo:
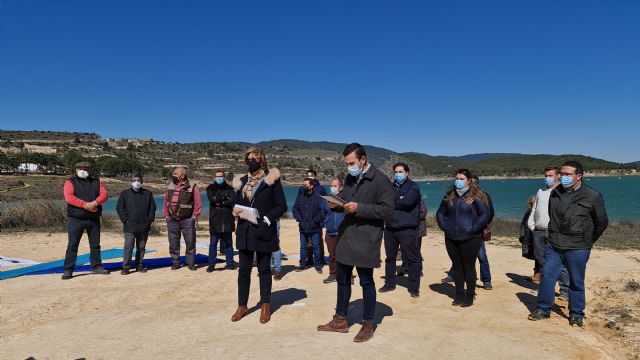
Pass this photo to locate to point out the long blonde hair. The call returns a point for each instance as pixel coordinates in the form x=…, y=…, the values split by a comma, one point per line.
x=260, y=157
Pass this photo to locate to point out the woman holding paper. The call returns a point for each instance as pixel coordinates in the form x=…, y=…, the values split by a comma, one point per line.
x=260, y=190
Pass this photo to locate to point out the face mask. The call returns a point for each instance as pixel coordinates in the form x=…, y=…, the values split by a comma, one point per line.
x=175, y=180
x=82, y=174
x=549, y=180
x=566, y=180
x=459, y=184
x=334, y=190
x=136, y=184
x=354, y=170
x=253, y=166
x=219, y=180
x=399, y=177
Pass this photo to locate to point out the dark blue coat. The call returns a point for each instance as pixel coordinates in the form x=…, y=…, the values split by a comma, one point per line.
x=458, y=221
x=407, y=206
x=308, y=212
x=333, y=218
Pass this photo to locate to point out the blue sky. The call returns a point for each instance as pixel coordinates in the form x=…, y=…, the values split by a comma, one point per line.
x=439, y=77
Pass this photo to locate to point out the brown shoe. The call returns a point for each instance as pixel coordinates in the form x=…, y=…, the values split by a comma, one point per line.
x=240, y=313
x=124, y=272
x=536, y=278
x=265, y=313
x=141, y=269
x=277, y=276
x=365, y=333
x=337, y=324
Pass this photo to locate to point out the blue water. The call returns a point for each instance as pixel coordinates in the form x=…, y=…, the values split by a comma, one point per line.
x=621, y=196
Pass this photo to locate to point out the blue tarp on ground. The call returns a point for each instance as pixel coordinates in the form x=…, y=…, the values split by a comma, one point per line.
x=82, y=259
x=148, y=263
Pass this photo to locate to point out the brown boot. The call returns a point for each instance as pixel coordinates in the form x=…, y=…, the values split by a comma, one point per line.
x=265, y=313
x=536, y=278
x=365, y=333
x=337, y=324
x=240, y=313
x=277, y=276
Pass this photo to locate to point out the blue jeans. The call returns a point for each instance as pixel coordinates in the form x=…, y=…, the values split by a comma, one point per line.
x=485, y=270
x=315, y=242
x=225, y=243
x=276, y=260
x=576, y=263
x=539, y=240
x=343, y=278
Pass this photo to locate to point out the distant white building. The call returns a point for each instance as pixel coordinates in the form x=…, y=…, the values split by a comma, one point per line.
x=29, y=167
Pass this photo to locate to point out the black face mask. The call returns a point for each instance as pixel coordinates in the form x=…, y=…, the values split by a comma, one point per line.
x=175, y=180
x=253, y=166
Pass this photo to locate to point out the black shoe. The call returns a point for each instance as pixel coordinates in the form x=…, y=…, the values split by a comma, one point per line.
x=414, y=293
x=538, y=314
x=175, y=266
x=468, y=300
x=124, y=271
x=330, y=279
x=210, y=268
x=400, y=273
x=387, y=288
x=230, y=267
x=300, y=268
x=487, y=285
x=67, y=275
x=193, y=267
x=458, y=300
x=99, y=270
x=319, y=270
x=575, y=321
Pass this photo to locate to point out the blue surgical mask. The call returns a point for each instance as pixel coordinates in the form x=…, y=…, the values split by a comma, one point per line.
x=354, y=170
x=136, y=184
x=459, y=184
x=399, y=177
x=219, y=180
x=549, y=180
x=334, y=190
x=566, y=180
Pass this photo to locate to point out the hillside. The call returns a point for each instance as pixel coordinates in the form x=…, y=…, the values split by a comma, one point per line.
x=56, y=152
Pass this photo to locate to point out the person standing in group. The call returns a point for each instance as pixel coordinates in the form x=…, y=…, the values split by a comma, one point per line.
x=276, y=258
x=333, y=217
x=308, y=212
x=320, y=190
x=538, y=223
x=84, y=195
x=422, y=232
x=369, y=198
x=462, y=216
x=137, y=210
x=221, y=220
x=402, y=231
x=577, y=219
x=260, y=189
x=181, y=207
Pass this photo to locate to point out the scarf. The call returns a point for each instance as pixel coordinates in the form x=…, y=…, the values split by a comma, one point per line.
x=252, y=182
x=462, y=191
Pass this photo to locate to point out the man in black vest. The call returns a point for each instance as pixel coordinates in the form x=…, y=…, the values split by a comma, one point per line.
x=137, y=210
x=182, y=206
x=84, y=195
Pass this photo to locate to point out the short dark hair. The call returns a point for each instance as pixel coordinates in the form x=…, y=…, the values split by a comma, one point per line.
x=139, y=176
x=310, y=180
x=313, y=172
x=355, y=147
x=476, y=178
x=219, y=171
x=403, y=164
x=554, y=168
x=574, y=164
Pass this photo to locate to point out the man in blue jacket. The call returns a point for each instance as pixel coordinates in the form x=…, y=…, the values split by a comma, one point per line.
x=402, y=231
x=308, y=212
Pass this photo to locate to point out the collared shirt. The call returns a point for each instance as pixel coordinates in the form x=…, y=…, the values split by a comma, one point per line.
x=197, y=201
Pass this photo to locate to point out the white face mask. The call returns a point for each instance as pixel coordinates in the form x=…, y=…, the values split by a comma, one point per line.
x=136, y=184
x=82, y=174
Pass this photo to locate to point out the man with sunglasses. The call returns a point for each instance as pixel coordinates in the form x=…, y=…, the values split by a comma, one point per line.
x=577, y=218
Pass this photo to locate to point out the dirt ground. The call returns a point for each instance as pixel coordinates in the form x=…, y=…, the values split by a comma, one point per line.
x=186, y=314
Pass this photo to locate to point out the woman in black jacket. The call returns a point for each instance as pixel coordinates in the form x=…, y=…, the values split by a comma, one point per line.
x=463, y=215
x=260, y=189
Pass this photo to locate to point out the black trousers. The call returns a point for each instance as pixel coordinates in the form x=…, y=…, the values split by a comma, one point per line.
x=139, y=240
x=263, y=260
x=407, y=240
x=463, y=255
x=75, y=229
